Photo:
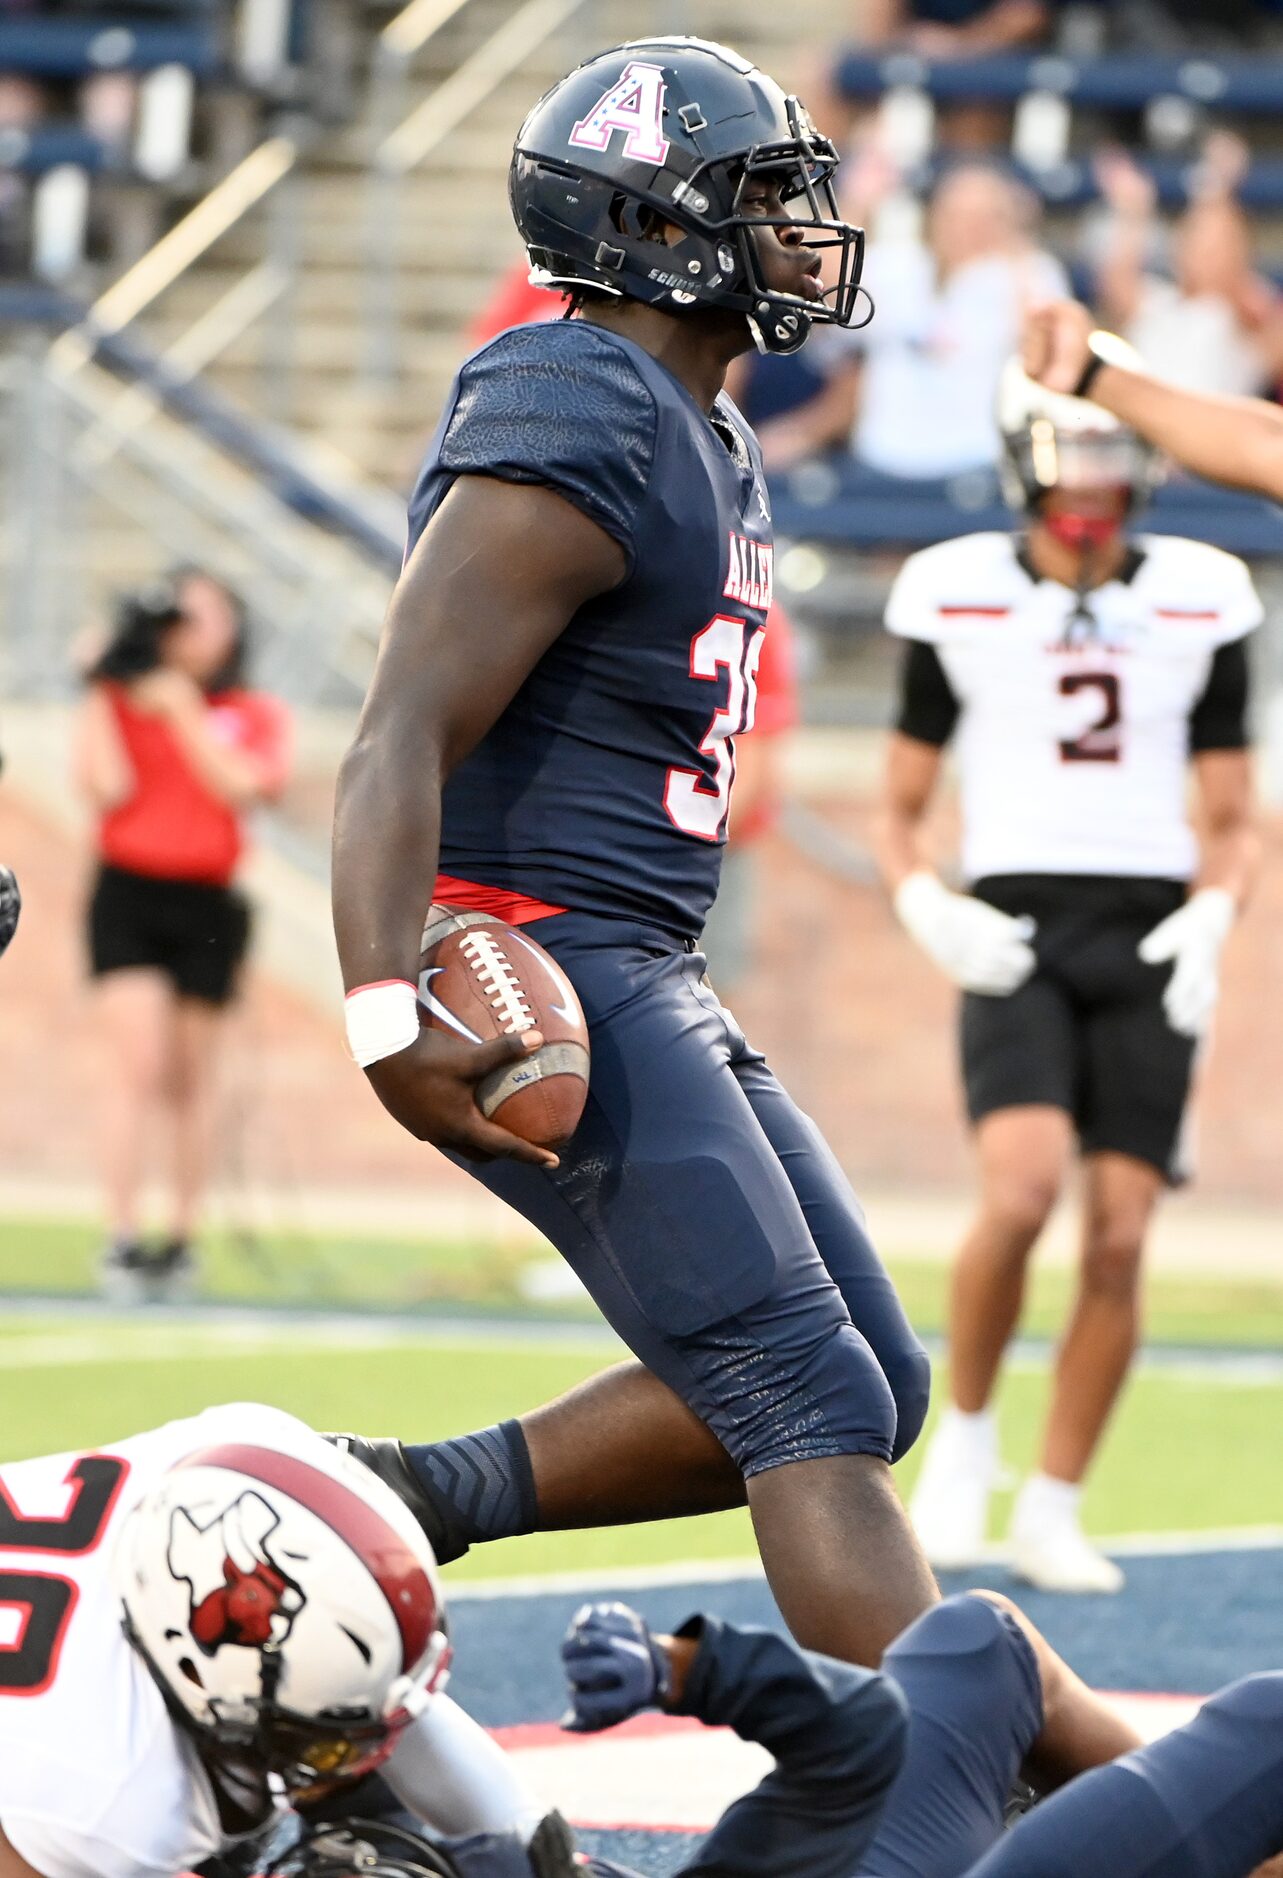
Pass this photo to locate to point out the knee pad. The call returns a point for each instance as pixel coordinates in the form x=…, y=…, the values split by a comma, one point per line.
x=1257, y=1700
x=910, y=1381
x=968, y=1658
x=959, y=1626
x=807, y=1399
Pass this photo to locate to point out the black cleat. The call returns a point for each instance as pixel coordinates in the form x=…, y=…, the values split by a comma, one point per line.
x=387, y=1460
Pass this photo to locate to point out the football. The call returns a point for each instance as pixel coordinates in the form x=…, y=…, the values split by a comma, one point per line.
x=481, y=979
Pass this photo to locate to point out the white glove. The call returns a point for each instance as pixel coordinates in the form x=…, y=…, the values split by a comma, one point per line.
x=1193, y=937
x=980, y=948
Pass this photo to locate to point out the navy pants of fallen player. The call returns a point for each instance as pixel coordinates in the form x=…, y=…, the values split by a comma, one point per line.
x=710, y=1222
x=1203, y=1802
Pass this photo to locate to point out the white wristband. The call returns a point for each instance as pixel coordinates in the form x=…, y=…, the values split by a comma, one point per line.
x=381, y=1019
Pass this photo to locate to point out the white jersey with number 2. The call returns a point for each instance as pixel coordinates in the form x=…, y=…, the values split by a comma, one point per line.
x=1073, y=733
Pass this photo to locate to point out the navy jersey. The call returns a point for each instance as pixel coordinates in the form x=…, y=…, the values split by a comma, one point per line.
x=604, y=786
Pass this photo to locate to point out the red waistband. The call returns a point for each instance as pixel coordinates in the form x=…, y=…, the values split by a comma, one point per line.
x=514, y=909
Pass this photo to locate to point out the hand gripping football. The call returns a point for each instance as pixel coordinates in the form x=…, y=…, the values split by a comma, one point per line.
x=480, y=979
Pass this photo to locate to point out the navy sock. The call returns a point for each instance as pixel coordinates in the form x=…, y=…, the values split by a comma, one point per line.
x=485, y=1479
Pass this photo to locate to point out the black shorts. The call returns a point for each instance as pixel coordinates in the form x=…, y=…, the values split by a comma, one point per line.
x=1087, y=1033
x=194, y=933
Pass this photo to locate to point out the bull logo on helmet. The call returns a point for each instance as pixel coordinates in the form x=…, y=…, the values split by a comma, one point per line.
x=239, y=1593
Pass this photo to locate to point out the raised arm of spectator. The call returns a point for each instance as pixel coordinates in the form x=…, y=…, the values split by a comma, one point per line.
x=102, y=770
x=1130, y=196
x=1237, y=441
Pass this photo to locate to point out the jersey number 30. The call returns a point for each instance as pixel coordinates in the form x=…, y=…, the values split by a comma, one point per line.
x=36, y=1606
x=695, y=802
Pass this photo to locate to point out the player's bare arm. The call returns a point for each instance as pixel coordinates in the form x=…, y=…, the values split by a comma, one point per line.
x=11, y=1866
x=976, y=945
x=490, y=585
x=1229, y=839
x=909, y=776
x=1238, y=441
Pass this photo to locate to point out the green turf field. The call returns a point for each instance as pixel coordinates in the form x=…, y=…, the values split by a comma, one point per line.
x=1190, y=1450
x=379, y=1272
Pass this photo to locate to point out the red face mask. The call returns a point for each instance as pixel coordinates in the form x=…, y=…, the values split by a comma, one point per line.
x=1083, y=531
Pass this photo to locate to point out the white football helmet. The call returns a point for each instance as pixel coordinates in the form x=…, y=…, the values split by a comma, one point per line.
x=288, y=1608
x=1052, y=441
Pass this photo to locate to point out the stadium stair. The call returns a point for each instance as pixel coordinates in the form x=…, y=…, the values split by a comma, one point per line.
x=452, y=234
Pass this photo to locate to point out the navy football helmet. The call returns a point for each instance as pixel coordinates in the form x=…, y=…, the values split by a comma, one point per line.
x=673, y=129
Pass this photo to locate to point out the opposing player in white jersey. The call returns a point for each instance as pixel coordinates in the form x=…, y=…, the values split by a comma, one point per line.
x=205, y=1623
x=1080, y=672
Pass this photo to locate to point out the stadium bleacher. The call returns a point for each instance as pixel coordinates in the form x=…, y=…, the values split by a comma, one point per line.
x=177, y=58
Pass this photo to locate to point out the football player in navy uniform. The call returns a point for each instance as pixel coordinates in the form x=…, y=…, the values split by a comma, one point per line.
x=548, y=737
x=905, y=1774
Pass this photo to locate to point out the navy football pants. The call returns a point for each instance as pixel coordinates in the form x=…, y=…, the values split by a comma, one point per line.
x=1203, y=1802
x=711, y=1223
x=968, y=1673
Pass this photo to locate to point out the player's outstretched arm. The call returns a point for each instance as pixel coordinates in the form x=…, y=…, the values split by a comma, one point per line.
x=837, y=1733
x=492, y=582
x=1238, y=441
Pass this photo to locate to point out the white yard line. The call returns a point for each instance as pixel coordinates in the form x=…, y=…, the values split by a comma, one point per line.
x=167, y=1337
x=749, y=1570
x=213, y=1330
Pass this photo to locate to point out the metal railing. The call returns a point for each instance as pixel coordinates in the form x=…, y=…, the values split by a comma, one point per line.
x=403, y=139
x=79, y=469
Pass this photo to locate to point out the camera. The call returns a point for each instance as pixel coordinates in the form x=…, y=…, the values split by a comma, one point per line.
x=140, y=623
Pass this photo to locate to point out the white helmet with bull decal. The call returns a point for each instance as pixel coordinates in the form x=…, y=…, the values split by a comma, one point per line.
x=289, y=1609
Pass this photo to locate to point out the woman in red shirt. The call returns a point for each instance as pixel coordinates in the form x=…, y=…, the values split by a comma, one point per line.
x=172, y=749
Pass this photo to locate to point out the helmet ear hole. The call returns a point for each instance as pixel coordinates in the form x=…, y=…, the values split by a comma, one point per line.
x=634, y=219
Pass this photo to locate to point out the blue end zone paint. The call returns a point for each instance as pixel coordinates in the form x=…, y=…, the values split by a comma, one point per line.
x=1186, y=1623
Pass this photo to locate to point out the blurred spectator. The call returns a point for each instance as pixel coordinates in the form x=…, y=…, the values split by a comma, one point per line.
x=938, y=29
x=954, y=29
x=914, y=393
x=172, y=748
x=1215, y=324
x=1199, y=26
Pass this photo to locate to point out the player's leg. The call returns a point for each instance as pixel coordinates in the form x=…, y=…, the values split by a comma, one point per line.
x=1136, y=1074
x=1022, y=1155
x=1091, y=1366
x=1204, y=1802
x=836, y=1223
x=654, y=1458
x=134, y=1009
x=214, y=926
x=674, y=1209
x=988, y=1698
x=198, y=1028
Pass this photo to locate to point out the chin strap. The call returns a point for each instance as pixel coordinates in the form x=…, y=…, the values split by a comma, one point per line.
x=778, y=330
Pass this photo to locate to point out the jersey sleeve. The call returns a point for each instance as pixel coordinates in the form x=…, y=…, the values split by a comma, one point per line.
x=928, y=708
x=837, y=1735
x=1218, y=720
x=564, y=407
x=1241, y=610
